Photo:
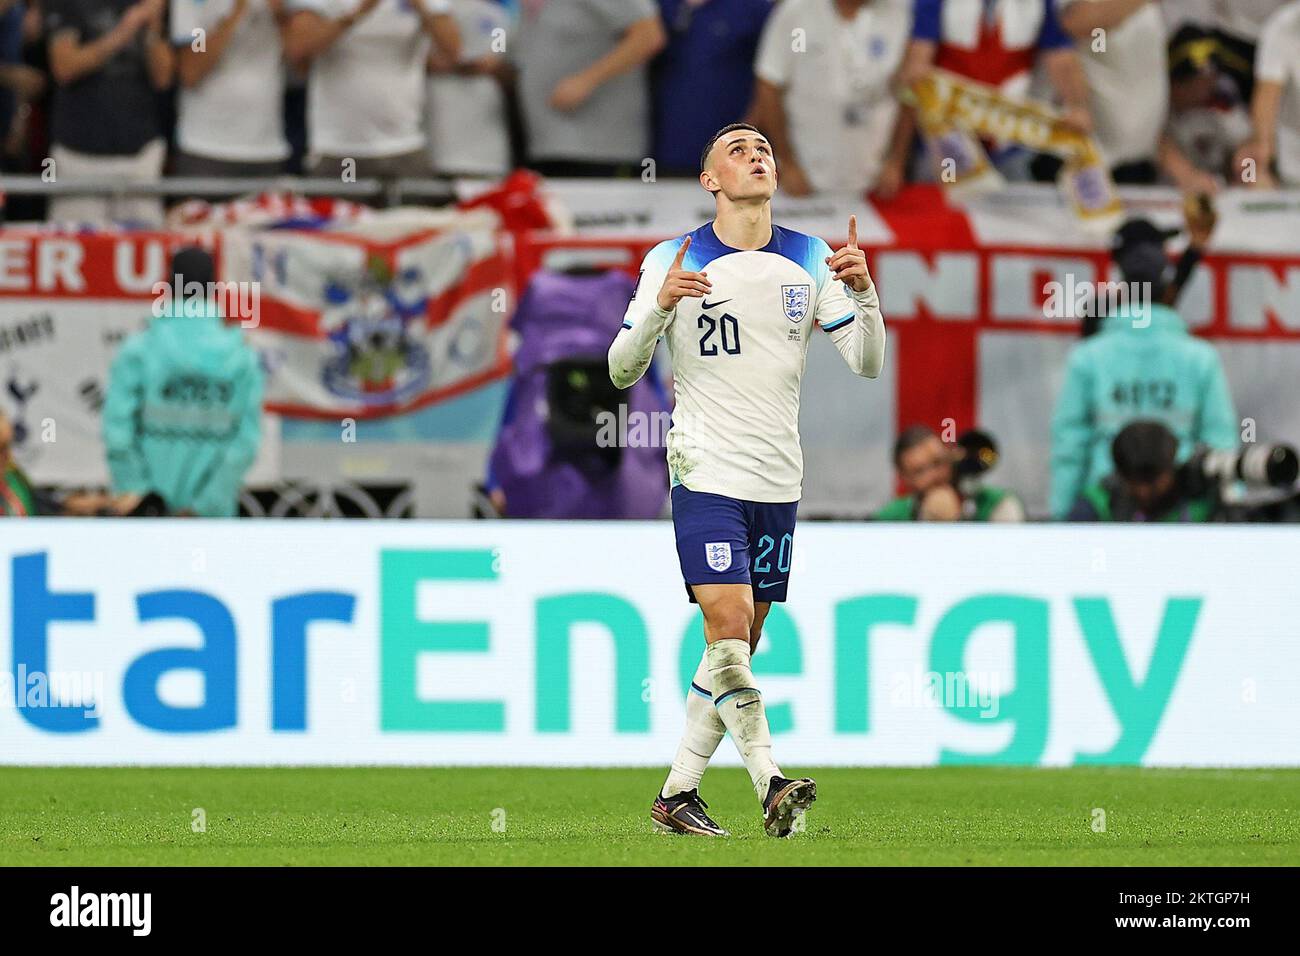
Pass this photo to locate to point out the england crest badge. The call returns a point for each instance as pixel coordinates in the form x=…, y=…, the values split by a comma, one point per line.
x=794, y=299
x=718, y=555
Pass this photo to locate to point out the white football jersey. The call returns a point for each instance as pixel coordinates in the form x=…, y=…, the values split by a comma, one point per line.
x=738, y=356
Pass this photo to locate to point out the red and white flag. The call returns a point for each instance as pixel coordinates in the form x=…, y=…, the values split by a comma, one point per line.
x=385, y=317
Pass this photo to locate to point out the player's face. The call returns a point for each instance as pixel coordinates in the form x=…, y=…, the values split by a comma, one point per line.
x=743, y=166
x=925, y=466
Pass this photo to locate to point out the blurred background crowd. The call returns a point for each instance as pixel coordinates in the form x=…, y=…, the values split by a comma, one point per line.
x=1201, y=95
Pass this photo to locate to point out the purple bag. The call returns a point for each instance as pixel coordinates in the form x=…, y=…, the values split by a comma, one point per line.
x=550, y=459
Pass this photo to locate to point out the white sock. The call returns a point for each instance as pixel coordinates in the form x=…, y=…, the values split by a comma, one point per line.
x=704, y=731
x=740, y=706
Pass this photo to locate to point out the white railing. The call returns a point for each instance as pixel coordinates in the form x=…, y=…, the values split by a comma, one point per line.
x=393, y=191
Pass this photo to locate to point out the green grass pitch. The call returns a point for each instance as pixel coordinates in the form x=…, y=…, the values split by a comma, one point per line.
x=360, y=815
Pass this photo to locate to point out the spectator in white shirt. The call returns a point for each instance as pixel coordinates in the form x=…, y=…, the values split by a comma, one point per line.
x=230, y=114
x=1275, y=107
x=822, y=94
x=1121, y=44
x=584, y=91
x=469, y=132
x=366, y=83
x=1243, y=18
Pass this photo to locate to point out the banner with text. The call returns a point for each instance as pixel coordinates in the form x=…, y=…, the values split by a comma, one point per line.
x=523, y=643
x=382, y=317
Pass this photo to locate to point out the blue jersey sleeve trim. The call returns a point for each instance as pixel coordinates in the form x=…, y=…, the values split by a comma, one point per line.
x=820, y=251
x=661, y=256
x=839, y=323
x=809, y=253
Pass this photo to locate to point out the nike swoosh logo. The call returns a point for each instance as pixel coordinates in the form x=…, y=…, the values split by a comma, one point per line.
x=768, y=584
x=713, y=305
x=749, y=703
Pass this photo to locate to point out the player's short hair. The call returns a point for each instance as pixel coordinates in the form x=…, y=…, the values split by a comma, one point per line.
x=729, y=128
x=909, y=438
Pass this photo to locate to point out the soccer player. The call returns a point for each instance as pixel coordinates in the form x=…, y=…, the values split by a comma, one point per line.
x=737, y=301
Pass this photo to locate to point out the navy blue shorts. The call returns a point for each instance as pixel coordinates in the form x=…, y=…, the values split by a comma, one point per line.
x=723, y=540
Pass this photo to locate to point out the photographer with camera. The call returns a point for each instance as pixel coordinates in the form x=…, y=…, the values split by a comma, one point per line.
x=1147, y=484
x=1142, y=363
x=944, y=483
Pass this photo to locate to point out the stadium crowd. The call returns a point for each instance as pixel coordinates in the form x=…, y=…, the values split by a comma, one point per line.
x=1181, y=91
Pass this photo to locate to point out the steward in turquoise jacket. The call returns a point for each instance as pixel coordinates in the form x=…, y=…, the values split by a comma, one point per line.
x=1143, y=363
x=183, y=413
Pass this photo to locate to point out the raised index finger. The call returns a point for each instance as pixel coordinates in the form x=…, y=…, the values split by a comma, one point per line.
x=853, y=232
x=681, y=252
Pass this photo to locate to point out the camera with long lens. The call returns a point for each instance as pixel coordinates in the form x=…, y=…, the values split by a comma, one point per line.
x=1257, y=483
x=1210, y=471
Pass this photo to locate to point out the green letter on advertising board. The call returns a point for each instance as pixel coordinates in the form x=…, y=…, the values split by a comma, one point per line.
x=555, y=619
x=403, y=637
x=1026, y=707
x=1138, y=707
x=854, y=620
